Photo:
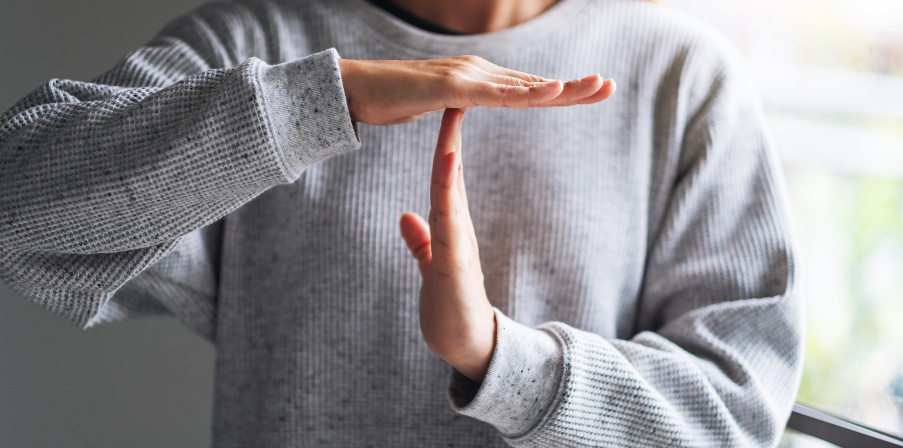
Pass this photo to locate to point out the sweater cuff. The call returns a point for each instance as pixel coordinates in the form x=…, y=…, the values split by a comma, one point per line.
x=304, y=103
x=522, y=382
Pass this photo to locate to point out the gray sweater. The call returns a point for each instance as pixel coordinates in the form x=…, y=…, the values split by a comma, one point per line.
x=638, y=251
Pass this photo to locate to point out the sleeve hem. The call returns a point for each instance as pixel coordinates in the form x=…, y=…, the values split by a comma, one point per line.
x=306, y=111
x=522, y=384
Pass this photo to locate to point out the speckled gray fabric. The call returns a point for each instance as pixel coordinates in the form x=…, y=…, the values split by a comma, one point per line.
x=523, y=379
x=638, y=251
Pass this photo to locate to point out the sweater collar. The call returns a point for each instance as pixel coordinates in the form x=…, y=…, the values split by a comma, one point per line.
x=427, y=44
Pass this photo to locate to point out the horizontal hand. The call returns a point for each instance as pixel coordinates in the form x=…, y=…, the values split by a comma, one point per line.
x=456, y=318
x=392, y=92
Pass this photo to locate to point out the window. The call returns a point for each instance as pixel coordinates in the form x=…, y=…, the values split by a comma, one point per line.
x=830, y=73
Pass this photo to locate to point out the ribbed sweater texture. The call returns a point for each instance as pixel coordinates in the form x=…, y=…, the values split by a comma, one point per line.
x=638, y=251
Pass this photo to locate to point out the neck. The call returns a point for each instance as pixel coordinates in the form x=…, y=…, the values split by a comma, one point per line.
x=476, y=16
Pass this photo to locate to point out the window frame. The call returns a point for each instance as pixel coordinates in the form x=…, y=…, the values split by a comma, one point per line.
x=840, y=432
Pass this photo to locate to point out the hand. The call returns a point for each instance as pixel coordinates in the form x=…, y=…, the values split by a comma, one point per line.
x=392, y=92
x=456, y=319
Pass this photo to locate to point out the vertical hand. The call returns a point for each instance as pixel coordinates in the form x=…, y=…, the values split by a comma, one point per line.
x=456, y=318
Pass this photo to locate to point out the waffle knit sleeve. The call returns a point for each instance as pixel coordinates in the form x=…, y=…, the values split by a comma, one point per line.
x=99, y=180
x=717, y=354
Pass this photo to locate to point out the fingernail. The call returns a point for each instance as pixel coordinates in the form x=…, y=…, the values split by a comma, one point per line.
x=590, y=78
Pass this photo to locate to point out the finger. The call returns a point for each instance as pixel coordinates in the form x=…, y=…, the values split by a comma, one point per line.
x=446, y=144
x=449, y=133
x=608, y=89
x=492, y=68
x=466, y=220
x=587, y=90
x=445, y=219
x=416, y=234
x=445, y=204
x=462, y=191
x=492, y=94
x=577, y=90
x=603, y=91
x=506, y=80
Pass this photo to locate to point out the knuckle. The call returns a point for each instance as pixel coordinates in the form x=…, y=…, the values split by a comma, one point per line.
x=511, y=95
x=443, y=242
x=520, y=82
x=447, y=212
x=421, y=251
x=469, y=59
x=450, y=76
x=460, y=263
x=503, y=89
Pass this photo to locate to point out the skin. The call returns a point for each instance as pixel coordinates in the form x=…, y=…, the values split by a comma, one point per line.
x=456, y=318
x=476, y=16
x=393, y=92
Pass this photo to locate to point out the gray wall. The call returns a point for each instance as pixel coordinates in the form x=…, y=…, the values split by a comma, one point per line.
x=144, y=383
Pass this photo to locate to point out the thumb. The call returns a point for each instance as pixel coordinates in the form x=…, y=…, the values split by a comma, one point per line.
x=416, y=234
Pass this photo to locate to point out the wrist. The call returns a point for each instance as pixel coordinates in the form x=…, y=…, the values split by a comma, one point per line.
x=528, y=368
x=349, y=72
x=476, y=363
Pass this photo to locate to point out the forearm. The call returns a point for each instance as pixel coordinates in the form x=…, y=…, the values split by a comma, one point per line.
x=559, y=386
x=141, y=167
x=100, y=180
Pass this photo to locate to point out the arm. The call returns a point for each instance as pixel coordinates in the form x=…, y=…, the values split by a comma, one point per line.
x=99, y=180
x=718, y=354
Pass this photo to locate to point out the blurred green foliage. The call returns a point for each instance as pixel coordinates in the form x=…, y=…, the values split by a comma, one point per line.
x=851, y=234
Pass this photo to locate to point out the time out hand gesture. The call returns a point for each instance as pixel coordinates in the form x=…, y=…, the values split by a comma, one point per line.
x=391, y=92
x=456, y=319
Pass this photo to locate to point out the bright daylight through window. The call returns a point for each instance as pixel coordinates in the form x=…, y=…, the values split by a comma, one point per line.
x=830, y=73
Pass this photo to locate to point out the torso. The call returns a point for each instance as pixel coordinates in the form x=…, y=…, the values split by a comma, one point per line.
x=317, y=326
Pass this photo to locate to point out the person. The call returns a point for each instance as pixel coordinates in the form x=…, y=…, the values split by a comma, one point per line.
x=617, y=272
